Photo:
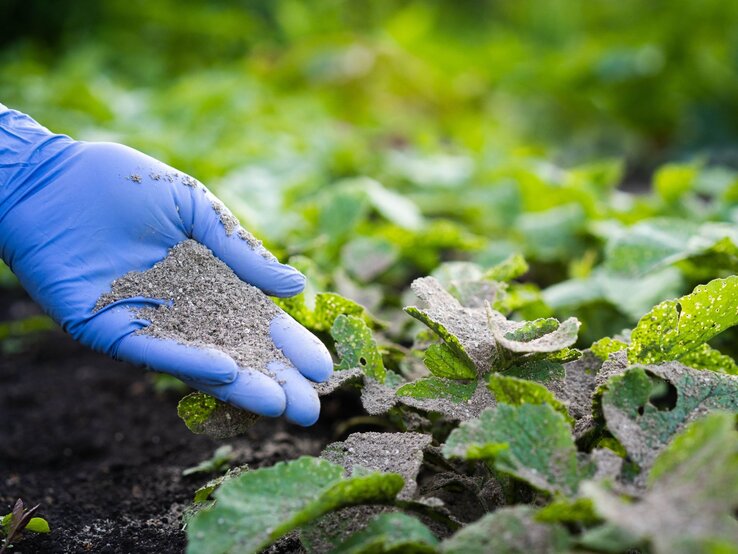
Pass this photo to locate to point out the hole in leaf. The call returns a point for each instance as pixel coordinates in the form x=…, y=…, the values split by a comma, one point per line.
x=362, y=361
x=664, y=395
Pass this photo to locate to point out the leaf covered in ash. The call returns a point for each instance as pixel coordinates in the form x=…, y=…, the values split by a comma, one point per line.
x=690, y=502
x=538, y=336
x=645, y=407
x=511, y=530
x=532, y=442
x=457, y=400
x=400, y=453
x=356, y=347
x=390, y=533
x=204, y=414
x=678, y=328
x=258, y=507
x=464, y=330
x=514, y=391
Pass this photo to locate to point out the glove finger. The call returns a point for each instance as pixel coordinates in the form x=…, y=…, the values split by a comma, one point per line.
x=234, y=246
x=115, y=331
x=251, y=390
x=302, y=348
x=198, y=365
x=303, y=404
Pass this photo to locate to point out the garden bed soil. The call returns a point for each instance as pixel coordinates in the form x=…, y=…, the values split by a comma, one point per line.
x=90, y=440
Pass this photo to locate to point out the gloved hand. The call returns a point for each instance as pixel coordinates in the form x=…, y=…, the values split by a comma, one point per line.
x=74, y=216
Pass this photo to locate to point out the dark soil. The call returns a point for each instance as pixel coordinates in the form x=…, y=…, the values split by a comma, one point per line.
x=90, y=440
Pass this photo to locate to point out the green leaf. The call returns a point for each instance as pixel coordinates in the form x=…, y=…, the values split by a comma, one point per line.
x=395, y=533
x=37, y=525
x=458, y=392
x=463, y=329
x=217, y=462
x=457, y=400
x=676, y=328
x=356, y=347
x=541, y=335
x=514, y=391
x=552, y=234
x=328, y=306
x=511, y=530
x=632, y=296
x=706, y=357
x=606, y=346
x=256, y=508
x=511, y=268
x=690, y=502
x=563, y=510
x=443, y=362
x=203, y=493
x=203, y=414
x=671, y=181
x=656, y=243
x=532, y=442
x=394, y=207
x=642, y=424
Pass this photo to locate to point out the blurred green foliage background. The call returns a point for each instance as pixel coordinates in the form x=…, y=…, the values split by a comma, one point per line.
x=371, y=141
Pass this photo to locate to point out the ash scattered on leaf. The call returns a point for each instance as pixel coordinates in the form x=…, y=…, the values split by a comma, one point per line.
x=608, y=464
x=464, y=411
x=511, y=529
x=339, y=379
x=616, y=364
x=387, y=452
x=377, y=398
x=543, y=335
x=467, y=325
x=579, y=384
x=643, y=428
x=334, y=528
x=208, y=306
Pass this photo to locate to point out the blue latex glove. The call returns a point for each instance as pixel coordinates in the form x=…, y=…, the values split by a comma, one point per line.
x=72, y=220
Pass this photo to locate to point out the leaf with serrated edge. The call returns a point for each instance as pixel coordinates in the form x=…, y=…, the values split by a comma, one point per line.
x=641, y=427
x=356, y=347
x=676, y=328
x=691, y=495
x=510, y=530
x=533, y=442
x=606, y=346
x=258, y=507
x=463, y=329
x=514, y=391
x=510, y=268
x=443, y=362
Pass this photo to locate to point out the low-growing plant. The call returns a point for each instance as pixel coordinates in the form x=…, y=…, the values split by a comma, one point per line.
x=505, y=437
x=20, y=520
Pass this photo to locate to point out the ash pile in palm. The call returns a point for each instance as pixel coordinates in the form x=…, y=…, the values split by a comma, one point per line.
x=208, y=306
